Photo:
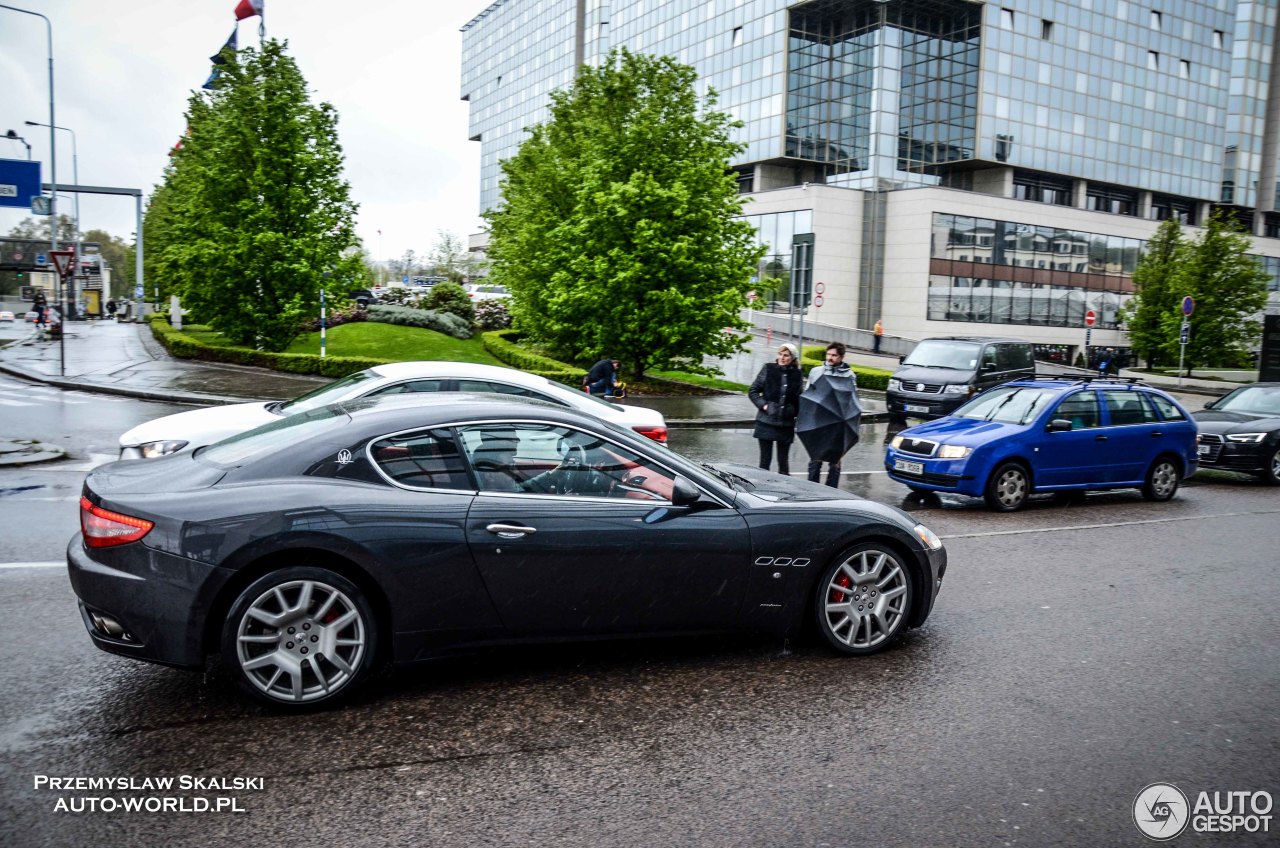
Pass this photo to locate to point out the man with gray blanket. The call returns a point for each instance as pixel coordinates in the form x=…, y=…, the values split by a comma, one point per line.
x=829, y=415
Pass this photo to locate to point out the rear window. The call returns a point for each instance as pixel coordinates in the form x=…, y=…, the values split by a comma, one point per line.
x=270, y=438
x=1168, y=410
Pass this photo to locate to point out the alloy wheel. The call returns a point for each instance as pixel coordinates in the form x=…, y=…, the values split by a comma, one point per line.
x=865, y=601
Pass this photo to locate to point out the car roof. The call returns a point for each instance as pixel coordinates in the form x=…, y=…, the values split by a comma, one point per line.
x=1068, y=381
x=974, y=339
x=441, y=368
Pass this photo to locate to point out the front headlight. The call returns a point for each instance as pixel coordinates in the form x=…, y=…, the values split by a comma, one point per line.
x=164, y=447
x=1247, y=438
x=961, y=389
x=897, y=442
x=953, y=452
x=895, y=385
x=930, y=538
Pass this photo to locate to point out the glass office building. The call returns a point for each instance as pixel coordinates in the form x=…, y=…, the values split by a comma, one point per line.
x=908, y=132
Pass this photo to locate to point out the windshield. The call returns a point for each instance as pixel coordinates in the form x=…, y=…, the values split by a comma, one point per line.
x=941, y=353
x=1007, y=404
x=1260, y=399
x=331, y=393
x=274, y=437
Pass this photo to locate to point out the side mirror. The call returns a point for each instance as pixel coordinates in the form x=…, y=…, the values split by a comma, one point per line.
x=902, y=359
x=683, y=492
x=1059, y=425
x=1210, y=404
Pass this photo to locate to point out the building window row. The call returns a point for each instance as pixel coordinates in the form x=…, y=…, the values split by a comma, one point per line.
x=981, y=301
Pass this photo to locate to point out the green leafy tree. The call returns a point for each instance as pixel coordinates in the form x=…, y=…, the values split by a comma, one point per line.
x=254, y=210
x=617, y=233
x=1156, y=297
x=449, y=257
x=1230, y=290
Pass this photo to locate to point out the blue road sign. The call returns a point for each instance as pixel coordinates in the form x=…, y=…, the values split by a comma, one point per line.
x=406, y=281
x=19, y=182
x=137, y=292
x=41, y=259
x=1188, y=305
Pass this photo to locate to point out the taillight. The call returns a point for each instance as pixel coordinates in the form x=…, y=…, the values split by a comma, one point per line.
x=103, y=528
x=657, y=432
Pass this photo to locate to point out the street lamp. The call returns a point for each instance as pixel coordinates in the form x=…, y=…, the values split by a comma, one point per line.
x=13, y=135
x=75, y=175
x=53, y=168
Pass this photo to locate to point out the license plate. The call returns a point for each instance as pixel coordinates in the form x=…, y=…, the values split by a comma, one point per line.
x=914, y=408
x=908, y=467
x=1203, y=449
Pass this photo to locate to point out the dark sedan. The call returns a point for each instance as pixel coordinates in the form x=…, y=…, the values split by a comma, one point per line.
x=314, y=550
x=1241, y=432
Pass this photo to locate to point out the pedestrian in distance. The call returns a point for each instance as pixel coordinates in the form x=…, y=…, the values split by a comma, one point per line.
x=876, y=335
x=835, y=370
x=776, y=395
x=1104, y=362
x=41, y=307
x=111, y=310
x=602, y=379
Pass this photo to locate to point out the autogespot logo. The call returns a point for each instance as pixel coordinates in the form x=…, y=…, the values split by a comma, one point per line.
x=1160, y=811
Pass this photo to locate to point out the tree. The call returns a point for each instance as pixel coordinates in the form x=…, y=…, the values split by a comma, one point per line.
x=1153, y=281
x=1230, y=290
x=449, y=257
x=617, y=233
x=254, y=218
x=406, y=266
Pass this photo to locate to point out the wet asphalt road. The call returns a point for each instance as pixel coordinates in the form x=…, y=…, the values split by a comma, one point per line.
x=1078, y=652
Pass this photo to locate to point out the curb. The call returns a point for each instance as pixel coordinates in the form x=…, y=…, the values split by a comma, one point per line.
x=27, y=452
x=122, y=391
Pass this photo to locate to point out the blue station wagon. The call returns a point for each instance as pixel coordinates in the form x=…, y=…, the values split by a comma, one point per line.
x=1050, y=435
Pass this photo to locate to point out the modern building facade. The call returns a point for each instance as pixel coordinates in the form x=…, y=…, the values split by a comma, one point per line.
x=962, y=167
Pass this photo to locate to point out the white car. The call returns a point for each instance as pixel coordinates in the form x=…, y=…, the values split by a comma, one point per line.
x=487, y=291
x=187, y=431
x=6, y=315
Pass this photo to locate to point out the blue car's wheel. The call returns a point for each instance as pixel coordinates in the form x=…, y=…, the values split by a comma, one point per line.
x=1008, y=487
x=1162, y=480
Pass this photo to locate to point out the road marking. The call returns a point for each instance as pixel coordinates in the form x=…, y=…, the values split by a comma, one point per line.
x=52, y=564
x=1104, y=526
x=15, y=402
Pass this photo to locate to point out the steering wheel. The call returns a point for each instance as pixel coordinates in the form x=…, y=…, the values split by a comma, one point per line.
x=572, y=456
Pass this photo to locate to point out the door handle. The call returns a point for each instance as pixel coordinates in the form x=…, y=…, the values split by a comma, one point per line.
x=510, y=531
x=1100, y=438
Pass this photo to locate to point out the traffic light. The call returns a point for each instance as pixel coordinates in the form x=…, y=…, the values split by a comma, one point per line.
x=21, y=274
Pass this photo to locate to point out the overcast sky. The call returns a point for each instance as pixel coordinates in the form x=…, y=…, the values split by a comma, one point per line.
x=124, y=70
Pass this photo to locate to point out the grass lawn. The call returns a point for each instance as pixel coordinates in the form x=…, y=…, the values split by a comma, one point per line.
x=392, y=341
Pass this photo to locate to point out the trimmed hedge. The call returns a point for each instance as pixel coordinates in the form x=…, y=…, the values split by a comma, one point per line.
x=184, y=347
x=426, y=319
x=501, y=343
x=868, y=378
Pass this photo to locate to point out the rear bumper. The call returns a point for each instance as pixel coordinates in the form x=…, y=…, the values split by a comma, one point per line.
x=153, y=598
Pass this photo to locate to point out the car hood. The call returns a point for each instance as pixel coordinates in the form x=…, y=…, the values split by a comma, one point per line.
x=771, y=486
x=970, y=432
x=167, y=474
x=1223, y=422
x=201, y=426
x=925, y=374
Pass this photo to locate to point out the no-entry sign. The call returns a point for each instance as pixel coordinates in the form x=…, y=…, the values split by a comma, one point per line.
x=1090, y=318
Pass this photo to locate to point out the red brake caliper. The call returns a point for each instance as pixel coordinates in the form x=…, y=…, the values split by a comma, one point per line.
x=844, y=581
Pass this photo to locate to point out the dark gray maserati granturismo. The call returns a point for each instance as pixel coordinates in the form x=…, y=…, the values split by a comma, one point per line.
x=318, y=549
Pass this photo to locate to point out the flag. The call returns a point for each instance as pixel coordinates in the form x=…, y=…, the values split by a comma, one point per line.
x=220, y=57
x=212, y=82
x=249, y=8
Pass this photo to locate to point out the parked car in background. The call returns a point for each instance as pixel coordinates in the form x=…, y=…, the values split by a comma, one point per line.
x=185, y=431
x=942, y=373
x=6, y=315
x=1241, y=432
x=486, y=291
x=31, y=316
x=317, y=549
x=1050, y=435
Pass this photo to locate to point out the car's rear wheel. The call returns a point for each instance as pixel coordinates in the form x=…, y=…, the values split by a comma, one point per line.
x=864, y=598
x=1271, y=468
x=1008, y=487
x=300, y=638
x=1162, y=480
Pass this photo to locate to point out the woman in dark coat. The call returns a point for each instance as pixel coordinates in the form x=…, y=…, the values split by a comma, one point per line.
x=776, y=394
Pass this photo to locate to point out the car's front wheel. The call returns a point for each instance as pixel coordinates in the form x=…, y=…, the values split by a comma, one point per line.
x=864, y=598
x=1162, y=480
x=1008, y=487
x=301, y=637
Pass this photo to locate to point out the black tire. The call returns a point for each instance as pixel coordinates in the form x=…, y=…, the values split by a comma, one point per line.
x=872, y=614
x=1271, y=468
x=1162, y=479
x=1008, y=487
x=300, y=638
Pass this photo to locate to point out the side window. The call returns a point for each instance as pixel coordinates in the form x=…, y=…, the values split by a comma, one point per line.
x=989, y=356
x=1011, y=357
x=489, y=387
x=412, y=386
x=1081, y=409
x=1167, y=410
x=425, y=460
x=1127, y=408
x=543, y=459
